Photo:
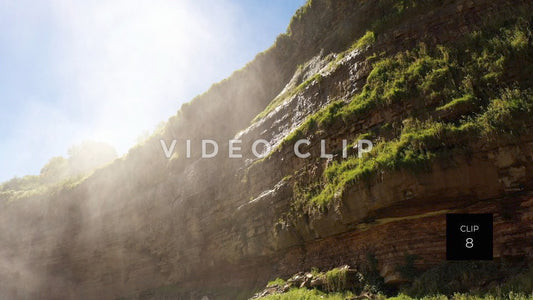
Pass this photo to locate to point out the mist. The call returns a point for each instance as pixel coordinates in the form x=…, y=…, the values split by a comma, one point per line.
x=112, y=71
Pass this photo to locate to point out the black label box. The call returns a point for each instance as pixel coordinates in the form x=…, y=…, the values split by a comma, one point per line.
x=469, y=237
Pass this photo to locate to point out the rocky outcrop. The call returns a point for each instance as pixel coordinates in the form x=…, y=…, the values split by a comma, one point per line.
x=336, y=280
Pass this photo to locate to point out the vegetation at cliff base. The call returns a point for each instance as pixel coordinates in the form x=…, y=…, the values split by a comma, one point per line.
x=336, y=279
x=277, y=281
x=450, y=280
x=306, y=294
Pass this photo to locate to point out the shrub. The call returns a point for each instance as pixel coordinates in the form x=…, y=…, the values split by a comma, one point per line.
x=276, y=282
x=365, y=41
x=336, y=279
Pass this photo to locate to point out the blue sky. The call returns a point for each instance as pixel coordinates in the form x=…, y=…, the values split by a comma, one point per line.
x=111, y=70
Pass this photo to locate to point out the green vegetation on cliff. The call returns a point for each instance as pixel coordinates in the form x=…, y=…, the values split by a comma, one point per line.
x=60, y=172
x=453, y=96
x=363, y=42
x=284, y=96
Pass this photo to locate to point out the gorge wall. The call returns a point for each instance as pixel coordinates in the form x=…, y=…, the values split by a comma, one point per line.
x=148, y=227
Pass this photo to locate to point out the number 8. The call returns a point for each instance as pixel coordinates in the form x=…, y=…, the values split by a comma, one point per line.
x=469, y=243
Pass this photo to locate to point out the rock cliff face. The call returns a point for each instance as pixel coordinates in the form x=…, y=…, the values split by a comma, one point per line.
x=148, y=227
